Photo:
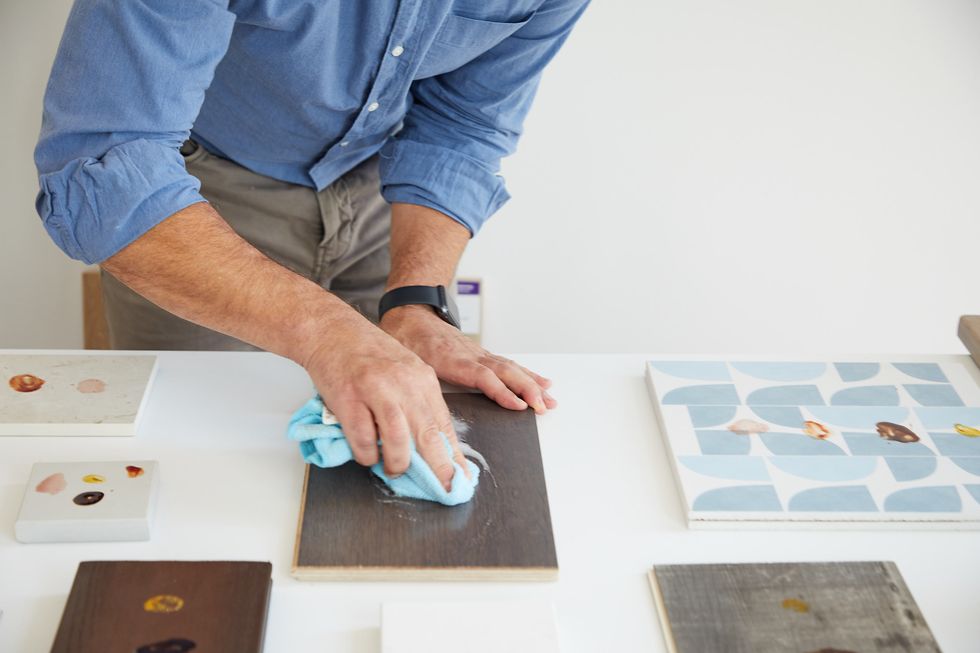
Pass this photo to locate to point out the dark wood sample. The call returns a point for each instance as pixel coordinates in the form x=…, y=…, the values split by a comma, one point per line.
x=351, y=528
x=823, y=607
x=969, y=333
x=166, y=607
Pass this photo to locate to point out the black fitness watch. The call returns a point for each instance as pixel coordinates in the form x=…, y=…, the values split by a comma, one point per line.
x=434, y=296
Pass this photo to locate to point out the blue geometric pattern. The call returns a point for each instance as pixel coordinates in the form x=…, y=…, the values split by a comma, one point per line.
x=858, y=417
x=786, y=395
x=797, y=444
x=790, y=416
x=866, y=395
x=780, y=371
x=850, y=372
x=848, y=498
x=954, y=444
x=722, y=443
x=871, y=444
x=699, y=370
x=739, y=498
x=922, y=371
x=705, y=416
x=971, y=465
x=943, y=498
x=938, y=394
x=943, y=419
x=911, y=468
x=832, y=470
x=705, y=395
x=735, y=468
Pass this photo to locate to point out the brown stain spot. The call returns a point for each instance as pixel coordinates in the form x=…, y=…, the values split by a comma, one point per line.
x=175, y=645
x=796, y=605
x=896, y=432
x=164, y=603
x=26, y=382
x=133, y=471
x=88, y=498
x=90, y=386
x=52, y=484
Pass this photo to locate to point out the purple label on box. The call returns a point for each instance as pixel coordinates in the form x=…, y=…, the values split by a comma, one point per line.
x=467, y=287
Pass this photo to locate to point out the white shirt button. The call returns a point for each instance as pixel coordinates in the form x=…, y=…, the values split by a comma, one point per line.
x=345, y=144
x=373, y=106
x=397, y=51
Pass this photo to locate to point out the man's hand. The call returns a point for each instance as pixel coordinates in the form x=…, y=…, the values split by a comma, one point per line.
x=379, y=390
x=457, y=359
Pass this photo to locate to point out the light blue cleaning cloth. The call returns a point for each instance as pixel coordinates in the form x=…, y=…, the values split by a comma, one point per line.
x=325, y=445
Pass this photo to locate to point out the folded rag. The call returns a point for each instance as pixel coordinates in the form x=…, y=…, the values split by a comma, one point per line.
x=325, y=445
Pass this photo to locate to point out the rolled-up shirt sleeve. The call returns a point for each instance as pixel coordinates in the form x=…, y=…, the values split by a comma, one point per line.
x=127, y=83
x=462, y=123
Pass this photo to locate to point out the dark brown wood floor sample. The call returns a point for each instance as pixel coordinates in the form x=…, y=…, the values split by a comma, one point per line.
x=969, y=332
x=166, y=607
x=352, y=529
x=833, y=607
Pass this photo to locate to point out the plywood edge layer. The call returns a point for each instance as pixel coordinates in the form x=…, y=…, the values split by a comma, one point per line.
x=399, y=574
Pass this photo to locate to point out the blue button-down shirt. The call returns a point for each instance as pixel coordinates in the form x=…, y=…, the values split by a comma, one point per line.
x=297, y=90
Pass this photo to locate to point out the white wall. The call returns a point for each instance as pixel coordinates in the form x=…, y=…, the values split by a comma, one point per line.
x=696, y=176
x=40, y=288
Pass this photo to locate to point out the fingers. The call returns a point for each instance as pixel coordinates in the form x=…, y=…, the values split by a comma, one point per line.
x=360, y=431
x=476, y=375
x=522, y=383
x=431, y=422
x=395, y=436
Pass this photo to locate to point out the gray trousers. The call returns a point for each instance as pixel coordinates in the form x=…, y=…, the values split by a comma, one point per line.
x=337, y=237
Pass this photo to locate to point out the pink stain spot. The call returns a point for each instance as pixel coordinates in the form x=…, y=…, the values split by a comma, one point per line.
x=52, y=484
x=90, y=386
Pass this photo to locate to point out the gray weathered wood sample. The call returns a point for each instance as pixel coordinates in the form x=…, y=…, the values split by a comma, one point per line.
x=351, y=528
x=969, y=333
x=832, y=607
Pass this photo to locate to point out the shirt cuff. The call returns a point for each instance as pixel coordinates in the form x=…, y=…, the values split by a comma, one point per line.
x=443, y=179
x=92, y=208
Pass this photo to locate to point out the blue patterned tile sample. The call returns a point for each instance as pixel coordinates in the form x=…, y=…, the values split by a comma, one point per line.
x=734, y=468
x=954, y=444
x=848, y=498
x=719, y=394
x=911, y=468
x=786, y=395
x=789, y=416
x=699, y=370
x=872, y=444
x=781, y=371
x=943, y=419
x=705, y=416
x=858, y=417
x=866, y=395
x=936, y=394
x=722, y=443
x=741, y=498
x=833, y=469
x=922, y=371
x=971, y=464
x=850, y=372
x=942, y=498
x=797, y=444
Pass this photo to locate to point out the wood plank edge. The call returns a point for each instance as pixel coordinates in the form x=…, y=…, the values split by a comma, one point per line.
x=299, y=522
x=401, y=574
x=661, y=605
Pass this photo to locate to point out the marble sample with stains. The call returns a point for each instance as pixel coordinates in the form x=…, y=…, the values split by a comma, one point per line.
x=73, y=394
x=166, y=607
x=816, y=607
x=352, y=528
x=88, y=502
x=836, y=442
x=520, y=626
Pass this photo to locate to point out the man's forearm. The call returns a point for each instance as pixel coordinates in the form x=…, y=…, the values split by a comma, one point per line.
x=426, y=246
x=193, y=265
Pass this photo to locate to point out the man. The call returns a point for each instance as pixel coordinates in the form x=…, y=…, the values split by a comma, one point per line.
x=242, y=170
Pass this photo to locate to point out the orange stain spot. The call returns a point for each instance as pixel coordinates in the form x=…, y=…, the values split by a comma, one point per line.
x=163, y=603
x=26, y=382
x=133, y=471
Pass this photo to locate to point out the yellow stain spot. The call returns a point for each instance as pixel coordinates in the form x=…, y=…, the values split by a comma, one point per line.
x=163, y=603
x=93, y=478
x=796, y=605
x=968, y=431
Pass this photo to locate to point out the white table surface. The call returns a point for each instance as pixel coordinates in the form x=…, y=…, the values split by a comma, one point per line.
x=230, y=489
